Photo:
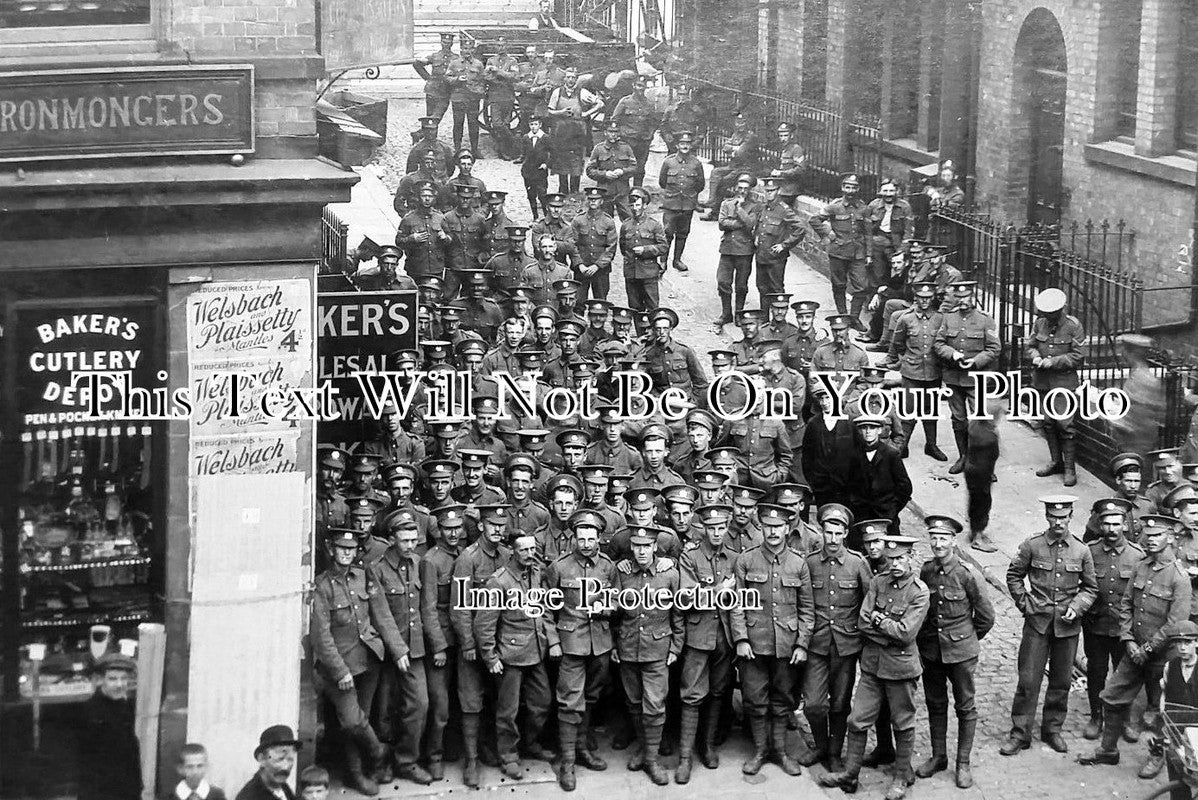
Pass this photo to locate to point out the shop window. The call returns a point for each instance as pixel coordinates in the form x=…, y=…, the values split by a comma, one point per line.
x=24, y=22
x=80, y=532
x=1187, y=84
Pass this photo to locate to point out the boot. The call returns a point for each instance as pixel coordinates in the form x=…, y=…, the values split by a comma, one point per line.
x=436, y=769
x=753, y=763
x=981, y=541
x=962, y=437
x=741, y=297
x=855, y=309
x=1155, y=762
x=1093, y=727
x=637, y=760
x=710, y=755
x=1069, y=455
x=846, y=779
x=837, y=725
x=355, y=777
x=567, y=737
x=470, y=750
x=1108, y=747
x=883, y=752
x=1055, y=465
x=657, y=773
x=778, y=734
x=929, y=436
x=725, y=317
x=839, y=298
x=938, y=761
x=585, y=754
x=819, y=732
x=903, y=776
x=375, y=761
x=686, y=743
x=966, y=728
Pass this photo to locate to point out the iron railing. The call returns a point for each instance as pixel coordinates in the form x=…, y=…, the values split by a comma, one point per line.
x=334, y=242
x=833, y=146
x=1091, y=263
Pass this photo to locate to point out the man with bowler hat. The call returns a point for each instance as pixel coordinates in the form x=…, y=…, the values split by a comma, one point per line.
x=276, y=753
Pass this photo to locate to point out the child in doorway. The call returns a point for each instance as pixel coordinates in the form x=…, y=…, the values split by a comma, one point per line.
x=193, y=771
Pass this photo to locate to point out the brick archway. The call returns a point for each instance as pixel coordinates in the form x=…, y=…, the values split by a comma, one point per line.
x=1038, y=90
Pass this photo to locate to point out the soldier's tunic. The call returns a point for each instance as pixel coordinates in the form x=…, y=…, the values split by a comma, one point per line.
x=643, y=272
x=476, y=564
x=777, y=225
x=973, y=335
x=709, y=649
x=1059, y=344
x=792, y=161
x=1113, y=568
x=608, y=157
x=675, y=364
x=541, y=277
x=585, y=637
x=836, y=357
x=645, y=635
x=843, y=220
x=406, y=198
x=554, y=540
x=799, y=348
x=520, y=641
x=563, y=233
x=352, y=630
x=889, y=658
x=623, y=459
x=959, y=615
x=1060, y=574
x=525, y=517
x=838, y=585
x=436, y=87
x=766, y=446
x=781, y=625
x=424, y=259
x=442, y=681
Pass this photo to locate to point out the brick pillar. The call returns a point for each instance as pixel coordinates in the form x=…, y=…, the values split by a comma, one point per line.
x=899, y=76
x=1156, y=111
x=931, y=53
x=790, y=47
x=958, y=88
x=839, y=72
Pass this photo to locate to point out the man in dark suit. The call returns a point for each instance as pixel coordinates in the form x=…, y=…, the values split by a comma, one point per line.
x=109, y=759
x=276, y=753
x=832, y=455
x=887, y=487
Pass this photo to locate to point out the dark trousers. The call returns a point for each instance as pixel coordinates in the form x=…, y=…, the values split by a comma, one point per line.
x=352, y=706
x=847, y=275
x=732, y=274
x=443, y=711
x=706, y=673
x=767, y=684
x=500, y=113
x=435, y=107
x=593, y=286
x=771, y=277
x=938, y=676
x=872, y=693
x=978, y=485
x=645, y=686
x=960, y=404
x=828, y=684
x=520, y=687
x=640, y=149
x=568, y=184
x=643, y=294
x=465, y=113
x=1103, y=654
x=1036, y=651
x=535, y=192
x=580, y=683
x=678, y=229
x=402, y=709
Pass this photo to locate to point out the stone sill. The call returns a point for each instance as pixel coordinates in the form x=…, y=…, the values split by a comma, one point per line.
x=264, y=181
x=1173, y=168
x=907, y=150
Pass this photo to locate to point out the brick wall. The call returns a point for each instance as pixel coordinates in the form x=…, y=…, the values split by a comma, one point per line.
x=790, y=47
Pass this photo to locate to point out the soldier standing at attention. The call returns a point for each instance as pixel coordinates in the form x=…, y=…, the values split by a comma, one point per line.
x=514, y=645
x=611, y=166
x=840, y=579
x=778, y=230
x=959, y=616
x=891, y=616
x=1055, y=350
x=841, y=226
x=1115, y=559
x=636, y=118
x=436, y=86
x=966, y=342
x=772, y=639
x=681, y=180
x=352, y=630
x=585, y=632
x=1060, y=588
x=648, y=640
x=643, y=245
x=596, y=237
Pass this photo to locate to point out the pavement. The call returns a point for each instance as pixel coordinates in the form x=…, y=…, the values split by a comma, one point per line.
x=1016, y=515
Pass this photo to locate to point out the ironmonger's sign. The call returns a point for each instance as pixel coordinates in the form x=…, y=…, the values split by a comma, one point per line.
x=133, y=111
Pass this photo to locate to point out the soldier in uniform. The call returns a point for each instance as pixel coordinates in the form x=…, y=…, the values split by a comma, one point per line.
x=778, y=230
x=410, y=586
x=482, y=315
x=524, y=513
x=636, y=119
x=596, y=333
x=841, y=354
x=595, y=481
x=1060, y=589
x=777, y=376
x=474, y=493
x=467, y=85
x=738, y=217
x=892, y=614
x=888, y=220
x=443, y=164
x=1167, y=467
x=473, y=568
x=500, y=75
x=352, y=633
x=672, y=363
x=564, y=232
x=799, y=348
x=681, y=180
x=557, y=370
x=792, y=164
x=739, y=156
x=1115, y=560
x=707, y=658
x=583, y=624
x=772, y=638
x=776, y=325
x=648, y=639
x=1126, y=469
x=423, y=238
x=609, y=448
x=643, y=245
x=331, y=509
x=467, y=246
x=545, y=271
x=765, y=444
x=966, y=342
x=748, y=348
x=841, y=226
x=508, y=268
x=514, y=644
x=840, y=579
x=556, y=538
x=498, y=222
x=612, y=166
x=701, y=428
x=654, y=473
x=1055, y=351
x=386, y=278
x=407, y=194
x=912, y=350
x=1157, y=599
x=436, y=86
x=744, y=533
x=959, y=615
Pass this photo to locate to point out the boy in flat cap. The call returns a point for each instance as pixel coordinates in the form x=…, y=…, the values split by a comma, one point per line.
x=959, y=616
x=109, y=757
x=1061, y=587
